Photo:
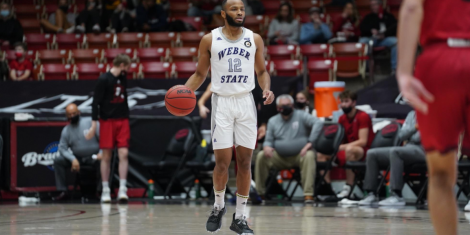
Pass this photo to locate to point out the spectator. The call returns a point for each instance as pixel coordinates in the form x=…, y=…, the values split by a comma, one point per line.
x=10, y=28
x=165, y=4
x=122, y=18
x=358, y=138
x=107, y=11
x=380, y=27
x=284, y=29
x=74, y=149
x=62, y=20
x=88, y=20
x=21, y=68
x=287, y=145
x=151, y=17
x=315, y=31
x=204, y=8
x=347, y=26
x=397, y=158
x=302, y=103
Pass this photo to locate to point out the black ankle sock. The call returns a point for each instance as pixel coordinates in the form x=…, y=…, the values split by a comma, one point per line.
x=397, y=192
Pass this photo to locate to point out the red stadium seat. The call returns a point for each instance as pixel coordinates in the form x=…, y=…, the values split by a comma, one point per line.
x=28, y=11
x=315, y=51
x=177, y=10
x=55, y=71
x=281, y=52
x=184, y=69
x=130, y=40
x=133, y=70
x=85, y=55
x=288, y=68
x=196, y=22
x=110, y=54
x=88, y=71
x=321, y=70
x=99, y=41
x=150, y=54
x=160, y=39
x=51, y=56
x=256, y=23
x=182, y=54
x=80, y=6
x=27, y=2
x=271, y=7
x=301, y=7
x=190, y=39
x=68, y=41
x=10, y=55
x=39, y=41
x=31, y=25
x=394, y=6
x=351, y=61
x=155, y=70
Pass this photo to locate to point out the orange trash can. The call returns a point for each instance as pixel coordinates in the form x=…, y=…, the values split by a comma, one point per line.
x=326, y=97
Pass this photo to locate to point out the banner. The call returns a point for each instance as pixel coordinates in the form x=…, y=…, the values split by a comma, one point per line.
x=34, y=146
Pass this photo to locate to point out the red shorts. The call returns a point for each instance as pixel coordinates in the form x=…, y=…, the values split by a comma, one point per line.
x=341, y=156
x=114, y=133
x=444, y=72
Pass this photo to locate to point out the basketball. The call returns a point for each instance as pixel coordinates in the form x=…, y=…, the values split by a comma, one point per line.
x=180, y=100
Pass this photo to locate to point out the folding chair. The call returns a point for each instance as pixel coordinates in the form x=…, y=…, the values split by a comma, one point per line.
x=155, y=70
x=165, y=40
x=130, y=40
x=98, y=41
x=51, y=56
x=288, y=68
x=184, y=69
x=320, y=70
x=314, y=51
x=201, y=167
x=28, y=11
x=416, y=178
x=68, y=41
x=110, y=54
x=190, y=39
x=55, y=72
x=464, y=174
x=31, y=25
x=85, y=55
x=150, y=54
x=88, y=71
x=39, y=41
x=386, y=137
x=327, y=143
x=351, y=59
x=179, y=54
x=281, y=52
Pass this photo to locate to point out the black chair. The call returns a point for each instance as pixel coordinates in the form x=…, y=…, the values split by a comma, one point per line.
x=327, y=143
x=386, y=137
x=464, y=174
x=201, y=166
x=416, y=177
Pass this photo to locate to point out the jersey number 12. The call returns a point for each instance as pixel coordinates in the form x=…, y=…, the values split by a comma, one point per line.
x=236, y=68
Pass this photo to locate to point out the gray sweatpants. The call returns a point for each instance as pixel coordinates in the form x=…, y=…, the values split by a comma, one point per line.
x=395, y=157
x=62, y=165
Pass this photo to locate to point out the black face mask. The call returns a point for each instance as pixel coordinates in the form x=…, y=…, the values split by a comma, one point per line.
x=74, y=120
x=347, y=110
x=64, y=8
x=300, y=105
x=286, y=110
x=232, y=22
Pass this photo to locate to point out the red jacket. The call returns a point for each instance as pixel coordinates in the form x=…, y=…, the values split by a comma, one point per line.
x=340, y=24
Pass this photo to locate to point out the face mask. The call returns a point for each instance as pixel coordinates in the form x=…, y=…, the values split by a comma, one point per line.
x=74, y=119
x=64, y=8
x=19, y=54
x=347, y=110
x=232, y=22
x=300, y=105
x=5, y=13
x=286, y=110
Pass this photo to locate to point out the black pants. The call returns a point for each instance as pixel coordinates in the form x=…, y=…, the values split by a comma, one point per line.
x=89, y=18
x=121, y=20
x=62, y=165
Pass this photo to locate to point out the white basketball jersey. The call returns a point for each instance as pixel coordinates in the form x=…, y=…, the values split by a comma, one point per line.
x=232, y=63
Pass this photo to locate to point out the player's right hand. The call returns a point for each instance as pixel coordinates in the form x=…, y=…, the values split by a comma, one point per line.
x=203, y=111
x=414, y=91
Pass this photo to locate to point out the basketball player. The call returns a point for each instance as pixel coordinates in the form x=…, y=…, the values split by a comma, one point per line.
x=111, y=108
x=234, y=53
x=439, y=91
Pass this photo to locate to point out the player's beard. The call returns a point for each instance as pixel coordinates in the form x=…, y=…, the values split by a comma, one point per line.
x=232, y=22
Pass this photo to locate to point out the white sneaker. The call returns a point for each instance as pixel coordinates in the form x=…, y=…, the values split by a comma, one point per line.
x=106, y=195
x=70, y=30
x=370, y=198
x=122, y=195
x=79, y=29
x=345, y=192
x=467, y=207
x=393, y=200
x=96, y=28
x=347, y=202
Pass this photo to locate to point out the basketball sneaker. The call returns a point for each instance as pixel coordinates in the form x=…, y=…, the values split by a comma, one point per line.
x=467, y=207
x=122, y=195
x=215, y=219
x=240, y=226
x=393, y=200
x=106, y=195
x=368, y=200
x=345, y=192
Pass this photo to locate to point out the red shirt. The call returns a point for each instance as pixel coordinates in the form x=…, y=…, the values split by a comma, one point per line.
x=445, y=19
x=351, y=127
x=21, y=67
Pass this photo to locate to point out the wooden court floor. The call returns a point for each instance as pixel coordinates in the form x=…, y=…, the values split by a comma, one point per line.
x=139, y=217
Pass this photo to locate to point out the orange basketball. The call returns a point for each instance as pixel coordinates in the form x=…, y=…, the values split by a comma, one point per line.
x=180, y=100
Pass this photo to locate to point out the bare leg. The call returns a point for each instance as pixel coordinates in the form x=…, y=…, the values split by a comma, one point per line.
x=123, y=162
x=222, y=162
x=324, y=158
x=244, y=170
x=442, y=170
x=49, y=27
x=106, y=164
x=353, y=153
x=60, y=19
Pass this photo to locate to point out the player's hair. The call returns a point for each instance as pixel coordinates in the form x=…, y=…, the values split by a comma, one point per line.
x=284, y=96
x=20, y=44
x=347, y=94
x=290, y=17
x=121, y=59
x=223, y=4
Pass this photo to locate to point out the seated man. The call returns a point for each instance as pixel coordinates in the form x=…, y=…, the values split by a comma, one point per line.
x=315, y=31
x=287, y=145
x=358, y=138
x=74, y=148
x=398, y=158
x=62, y=21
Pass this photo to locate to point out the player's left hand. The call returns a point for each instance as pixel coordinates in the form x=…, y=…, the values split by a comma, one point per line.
x=415, y=92
x=269, y=95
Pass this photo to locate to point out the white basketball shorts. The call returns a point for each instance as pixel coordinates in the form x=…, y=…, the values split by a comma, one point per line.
x=233, y=121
